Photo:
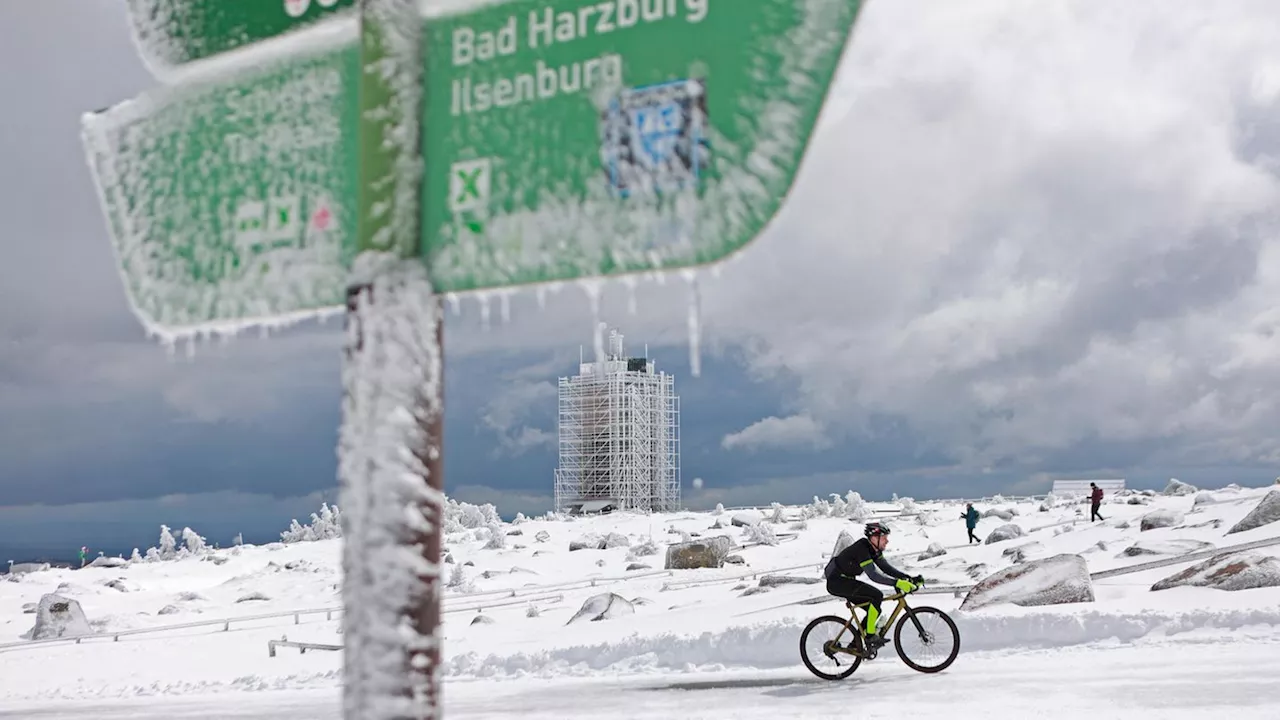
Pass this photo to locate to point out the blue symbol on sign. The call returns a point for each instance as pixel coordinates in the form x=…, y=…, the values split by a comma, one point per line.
x=653, y=138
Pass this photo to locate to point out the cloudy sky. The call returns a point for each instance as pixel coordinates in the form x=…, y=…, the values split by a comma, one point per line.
x=1031, y=240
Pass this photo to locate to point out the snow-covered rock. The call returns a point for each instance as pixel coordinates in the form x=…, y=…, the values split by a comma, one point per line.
x=1021, y=552
x=58, y=616
x=587, y=542
x=482, y=620
x=1004, y=532
x=843, y=541
x=1228, y=571
x=1204, y=497
x=776, y=580
x=1001, y=513
x=542, y=536
x=746, y=518
x=1161, y=518
x=701, y=553
x=1051, y=581
x=604, y=606
x=615, y=540
x=1177, y=487
x=934, y=550
x=1174, y=546
x=108, y=562
x=1266, y=512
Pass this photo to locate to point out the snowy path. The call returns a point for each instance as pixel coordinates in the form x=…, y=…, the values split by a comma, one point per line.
x=1194, y=675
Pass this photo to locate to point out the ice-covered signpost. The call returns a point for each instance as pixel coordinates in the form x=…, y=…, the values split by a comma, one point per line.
x=310, y=157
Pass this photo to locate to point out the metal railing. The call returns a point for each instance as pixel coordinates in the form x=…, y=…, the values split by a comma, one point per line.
x=115, y=635
x=303, y=647
x=1100, y=575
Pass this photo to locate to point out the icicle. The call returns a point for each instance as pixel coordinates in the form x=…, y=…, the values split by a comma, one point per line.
x=455, y=304
x=484, y=310
x=592, y=289
x=504, y=303
x=695, y=323
x=630, y=281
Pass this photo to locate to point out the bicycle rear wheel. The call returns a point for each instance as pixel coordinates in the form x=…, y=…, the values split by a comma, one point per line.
x=932, y=631
x=818, y=645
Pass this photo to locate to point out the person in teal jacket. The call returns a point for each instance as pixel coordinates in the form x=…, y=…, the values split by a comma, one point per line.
x=971, y=521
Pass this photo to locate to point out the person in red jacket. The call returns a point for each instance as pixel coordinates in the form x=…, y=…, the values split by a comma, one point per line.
x=1095, y=497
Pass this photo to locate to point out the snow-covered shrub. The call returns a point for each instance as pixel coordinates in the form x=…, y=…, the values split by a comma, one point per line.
x=323, y=526
x=855, y=508
x=519, y=519
x=819, y=508
x=458, y=579
x=778, y=515
x=193, y=542
x=644, y=549
x=135, y=557
x=838, y=506
x=761, y=533
x=465, y=516
x=719, y=509
x=907, y=504
x=497, y=536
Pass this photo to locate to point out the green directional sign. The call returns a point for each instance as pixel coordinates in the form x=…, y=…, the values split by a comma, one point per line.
x=561, y=139
x=575, y=138
x=170, y=33
x=232, y=198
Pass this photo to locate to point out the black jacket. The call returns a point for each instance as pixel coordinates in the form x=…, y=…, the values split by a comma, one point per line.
x=860, y=556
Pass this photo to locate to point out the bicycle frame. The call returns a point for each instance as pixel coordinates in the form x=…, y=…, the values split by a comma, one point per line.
x=861, y=625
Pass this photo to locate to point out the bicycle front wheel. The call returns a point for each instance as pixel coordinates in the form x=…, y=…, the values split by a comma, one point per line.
x=826, y=644
x=932, y=634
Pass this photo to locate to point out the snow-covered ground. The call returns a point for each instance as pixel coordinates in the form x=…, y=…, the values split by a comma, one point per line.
x=684, y=643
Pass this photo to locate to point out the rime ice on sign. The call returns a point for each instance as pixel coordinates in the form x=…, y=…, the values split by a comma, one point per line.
x=619, y=136
x=227, y=198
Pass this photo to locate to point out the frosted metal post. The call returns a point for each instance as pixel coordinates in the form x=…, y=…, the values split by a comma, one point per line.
x=390, y=450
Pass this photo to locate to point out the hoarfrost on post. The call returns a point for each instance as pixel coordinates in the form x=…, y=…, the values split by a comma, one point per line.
x=391, y=385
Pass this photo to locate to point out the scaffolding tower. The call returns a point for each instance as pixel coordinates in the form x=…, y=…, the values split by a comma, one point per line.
x=619, y=436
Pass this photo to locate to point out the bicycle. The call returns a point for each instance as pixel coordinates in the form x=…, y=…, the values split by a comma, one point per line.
x=857, y=647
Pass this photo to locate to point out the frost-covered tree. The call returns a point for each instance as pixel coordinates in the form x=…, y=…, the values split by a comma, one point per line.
x=458, y=579
x=193, y=542
x=167, y=544
x=135, y=557
x=325, y=525
x=460, y=516
x=719, y=509
x=838, y=506
x=497, y=536
x=779, y=514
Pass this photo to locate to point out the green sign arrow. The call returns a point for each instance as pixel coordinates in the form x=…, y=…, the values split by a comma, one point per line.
x=575, y=138
x=170, y=33
x=232, y=198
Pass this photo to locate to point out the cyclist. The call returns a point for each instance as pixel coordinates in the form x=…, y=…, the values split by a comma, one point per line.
x=867, y=554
